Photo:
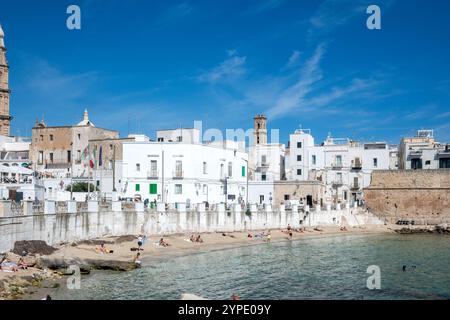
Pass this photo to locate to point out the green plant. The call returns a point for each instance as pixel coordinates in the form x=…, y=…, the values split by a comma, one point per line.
x=81, y=187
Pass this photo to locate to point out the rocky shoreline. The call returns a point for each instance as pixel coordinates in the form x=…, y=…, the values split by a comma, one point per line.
x=440, y=229
x=48, y=266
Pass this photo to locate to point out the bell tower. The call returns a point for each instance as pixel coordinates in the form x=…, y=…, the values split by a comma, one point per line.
x=260, y=129
x=5, y=117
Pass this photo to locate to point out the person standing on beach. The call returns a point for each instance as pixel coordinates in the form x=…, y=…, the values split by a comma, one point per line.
x=140, y=242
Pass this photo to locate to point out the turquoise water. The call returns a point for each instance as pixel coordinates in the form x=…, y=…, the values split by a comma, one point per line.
x=314, y=268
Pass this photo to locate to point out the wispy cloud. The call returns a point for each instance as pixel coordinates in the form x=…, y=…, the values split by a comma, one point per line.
x=232, y=67
x=46, y=80
x=292, y=96
x=332, y=14
x=293, y=59
x=442, y=115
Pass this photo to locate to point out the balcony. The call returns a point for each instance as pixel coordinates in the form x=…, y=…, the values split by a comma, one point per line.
x=153, y=175
x=415, y=154
x=178, y=174
x=264, y=164
x=355, y=187
x=337, y=166
x=356, y=164
x=337, y=183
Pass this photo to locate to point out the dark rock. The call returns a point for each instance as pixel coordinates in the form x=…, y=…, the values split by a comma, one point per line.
x=32, y=247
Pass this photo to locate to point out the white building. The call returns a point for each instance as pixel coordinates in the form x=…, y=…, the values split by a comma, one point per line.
x=266, y=164
x=17, y=181
x=190, y=135
x=180, y=172
x=423, y=152
x=345, y=166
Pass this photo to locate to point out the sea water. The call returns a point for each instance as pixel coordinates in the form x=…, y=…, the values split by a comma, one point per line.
x=328, y=267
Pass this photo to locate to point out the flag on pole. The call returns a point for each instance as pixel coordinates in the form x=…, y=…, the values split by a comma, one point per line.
x=100, y=157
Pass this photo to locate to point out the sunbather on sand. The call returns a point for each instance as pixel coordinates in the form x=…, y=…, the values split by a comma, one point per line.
x=163, y=243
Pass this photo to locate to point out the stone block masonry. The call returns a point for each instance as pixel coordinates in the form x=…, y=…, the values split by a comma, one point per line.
x=419, y=195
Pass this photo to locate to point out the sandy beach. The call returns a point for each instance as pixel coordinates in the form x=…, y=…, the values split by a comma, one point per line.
x=49, y=273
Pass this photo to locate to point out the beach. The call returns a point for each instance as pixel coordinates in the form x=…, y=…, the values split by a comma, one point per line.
x=50, y=272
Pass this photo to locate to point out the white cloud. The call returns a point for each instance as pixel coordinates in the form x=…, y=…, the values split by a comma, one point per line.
x=230, y=68
x=293, y=59
x=292, y=96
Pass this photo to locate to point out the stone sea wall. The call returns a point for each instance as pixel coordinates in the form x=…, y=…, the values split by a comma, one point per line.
x=419, y=195
x=55, y=228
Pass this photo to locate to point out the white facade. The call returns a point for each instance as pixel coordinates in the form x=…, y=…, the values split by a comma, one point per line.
x=178, y=135
x=345, y=166
x=261, y=192
x=183, y=173
x=266, y=162
x=423, y=152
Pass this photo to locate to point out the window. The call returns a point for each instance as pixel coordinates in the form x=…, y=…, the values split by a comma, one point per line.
x=160, y=139
x=79, y=136
x=286, y=197
x=338, y=161
x=428, y=162
x=375, y=162
x=299, y=158
x=153, y=188
x=138, y=167
x=78, y=155
x=416, y=164
x=154, y=168
x=178, y=189
x=444, y=163
x=205, y=168
x=264, y=159
x=339, y=177
x=299, y=172
x=51, y=157
x=41, y=157
x=179, y=169
x=230, y=169
x=313, y=159
x=51, y=137
x=243, y=171
x=137, y=187
x=221, y=171
x=110, y=147
x=69, y=156
x=205, y=189
x=41, y=137
x=179, y=139
x=299, y=145
x=263, y=177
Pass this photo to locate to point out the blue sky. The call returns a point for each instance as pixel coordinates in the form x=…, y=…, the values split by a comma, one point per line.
x=142, y=65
